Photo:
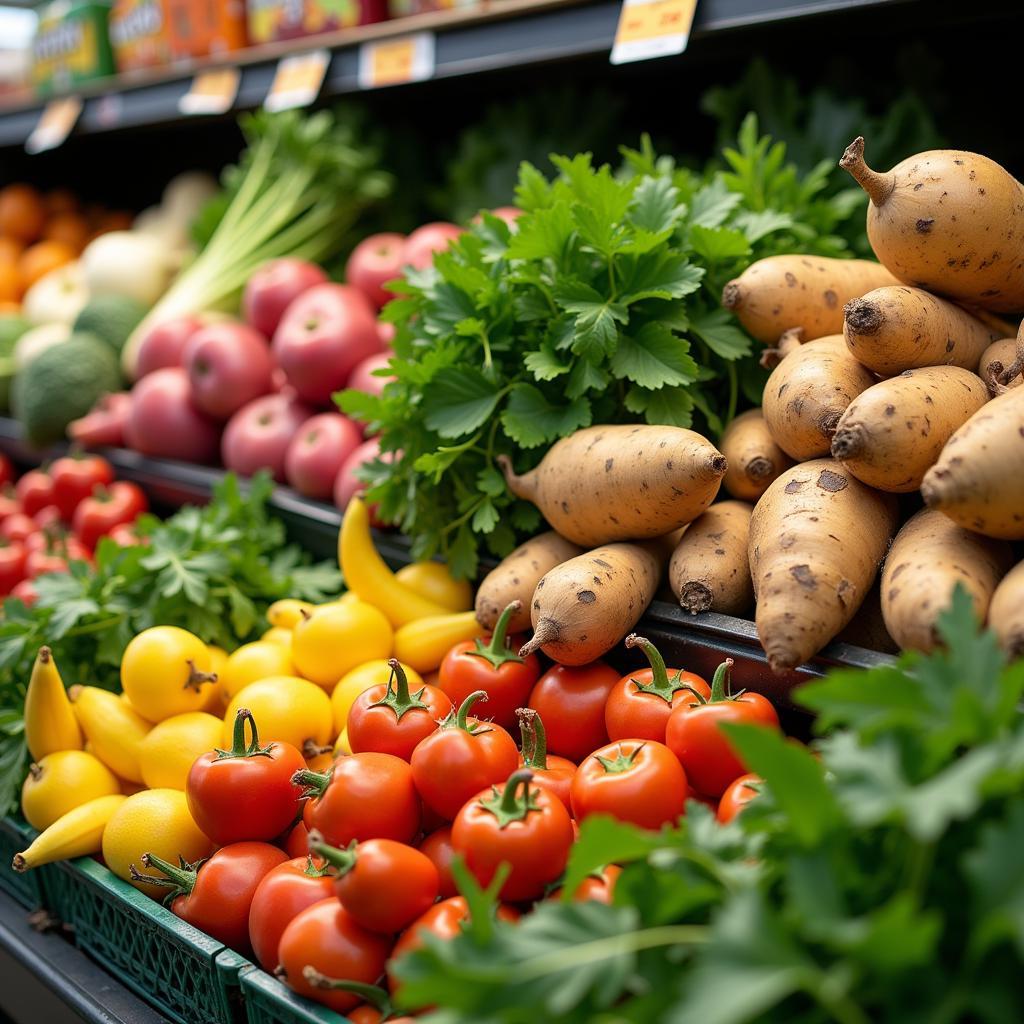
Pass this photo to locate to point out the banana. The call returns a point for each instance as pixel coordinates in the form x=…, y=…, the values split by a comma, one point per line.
x=73, y=835
x=423, y=644
x=50, y=723
x=114, y=729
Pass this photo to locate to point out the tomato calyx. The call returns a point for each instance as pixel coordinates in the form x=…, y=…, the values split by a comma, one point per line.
x=460, y=719
x=622, y=763
x=315, y=783
x=341, y=860
x=721, y=686
x=507, y=805
x=314, y=870
x=661, y=684
x=180, y=879
x=239, y=748
x=372, y=994
x=533, y=739
x=497, y=650
x=400, y=700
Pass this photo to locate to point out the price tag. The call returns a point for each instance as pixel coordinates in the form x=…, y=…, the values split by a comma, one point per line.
x=396, y=61
x=55, y=124
x=652, y=28
x=211, y=92
x=298, y=80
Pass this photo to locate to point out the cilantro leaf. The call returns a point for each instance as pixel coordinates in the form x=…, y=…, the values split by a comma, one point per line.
x=530, y=419
x=596, y=332
x=715, y=328
x=653, y=358
x=459, y=402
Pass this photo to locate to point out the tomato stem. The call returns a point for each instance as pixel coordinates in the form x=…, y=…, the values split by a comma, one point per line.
x=497, y=650
x=239, y=748
x=660, y=685
x=622, y=763
x=372, y=994
x=400, y=700
x=180, y=879
x=312, y=869
x=721, y=685
x=315, y=782
x=507, y=806
x=343, y=860
x=460, y=719
x=197, y=679
x=534, y=739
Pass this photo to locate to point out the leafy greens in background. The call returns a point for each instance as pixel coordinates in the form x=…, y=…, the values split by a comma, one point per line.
x=212, y=570
x=602, y=306
x=879, y=883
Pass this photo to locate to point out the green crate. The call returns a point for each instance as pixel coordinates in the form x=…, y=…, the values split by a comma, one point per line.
x=268, y=1001
x=185, y=974
x=28, y=888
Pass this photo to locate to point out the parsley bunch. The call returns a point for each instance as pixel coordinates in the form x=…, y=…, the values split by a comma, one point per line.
x=601, y=307
x=881, y=882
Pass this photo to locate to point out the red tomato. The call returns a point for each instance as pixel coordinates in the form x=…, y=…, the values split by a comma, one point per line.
x=26, y=593
x=13, y=569
x=640, y=703
x=384, y=885
x=296, y=843
x=438, y=847
x=34, y=491
x=107, y=507
x=39, y=563
x=47, y=518
x=326, y=938
x=9, y=503
x=75, y=477
x=598, y=887
x=6, y=470
x=124, y=536
x=638, y=781
x=553, y=773
x=571, y=701
x=365, y=796
x=464, y=756
x=490, y=665
x=283, y=893
x=54, y=541
x=215, y=895
x=393, y=720
x=740, y=792
x=531, y=832
x=247, y=792
x=693, y=733
x=18, y=526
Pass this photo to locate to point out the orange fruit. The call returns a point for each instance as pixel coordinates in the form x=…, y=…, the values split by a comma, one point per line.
x=11, y=287
x=70, y=228
x=10, y=249
x=60, y=200
x=39, y=259
x=22, y=213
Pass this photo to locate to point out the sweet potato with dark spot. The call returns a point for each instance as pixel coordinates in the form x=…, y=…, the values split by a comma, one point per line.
x=997, y=364
x=754, y=458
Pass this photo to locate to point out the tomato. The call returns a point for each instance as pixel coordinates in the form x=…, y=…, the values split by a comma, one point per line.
x=296, y=842
x=6, y=470
x=464, y=756
x=326, y=938
x=438, y=847
x=490, y=665
x=571, y=701
x=215, y=894
x=639, y=781
x=740, y=792
x=553, y=773
x=34, y=491
x=532, y=833
x=12, y=565
x=18, y=526
x=693, y=733
x=39, y=563
x=107, y=507
x=246, y=792
x=283, y=893
x=47, y=518
x=9, y=503
x=365, y=796
x=384, y=885
x=393, y=720
x=75, y=477
x=125, y=536
x=599, y=887
x=26, y=593
x=640, y=703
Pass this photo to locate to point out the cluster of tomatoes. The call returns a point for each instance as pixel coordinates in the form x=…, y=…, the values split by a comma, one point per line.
x=50, y=517
x=327, y=878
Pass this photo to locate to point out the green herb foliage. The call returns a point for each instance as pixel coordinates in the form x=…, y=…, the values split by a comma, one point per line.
x=881, y=882
x=211, y=570
x=602, y=306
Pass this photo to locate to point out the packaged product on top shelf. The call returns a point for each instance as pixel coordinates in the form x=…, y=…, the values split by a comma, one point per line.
x=200, y=28
x=71, y=46
x=138, y=34
x=271, y=21
x=403, y=8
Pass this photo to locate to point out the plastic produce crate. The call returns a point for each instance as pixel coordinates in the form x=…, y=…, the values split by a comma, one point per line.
x=28, y=888
x=188, y=976
x=269, y=1001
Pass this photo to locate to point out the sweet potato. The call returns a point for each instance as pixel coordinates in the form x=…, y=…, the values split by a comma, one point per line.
x=894, y=329
x=817, y=537
x=978, y=480
x=948, y=221
x=1006, y=612
x=709, y=570
x=755, y=460
x=996, y=363
x=867, y=628
x=808, y=392
x=516, y=578
x=892, y=433
x=1010, y=375
x=582, y=608
x=610, y=483
x=929, y=556
x=780, y=292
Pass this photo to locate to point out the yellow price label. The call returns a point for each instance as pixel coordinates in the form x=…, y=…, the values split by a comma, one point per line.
x=298, y=80
x=386, y=62
x=211, y=92
x=652, y=28
x=55, y=124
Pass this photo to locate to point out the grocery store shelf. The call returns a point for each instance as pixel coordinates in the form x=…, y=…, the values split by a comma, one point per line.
x=500, y=34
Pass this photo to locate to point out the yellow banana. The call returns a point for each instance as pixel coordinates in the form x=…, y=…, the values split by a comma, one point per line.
x=367, y=575
x=424, y=643
x=433, y=581
x=50, y=723
x=73, y=835
x=114, y=729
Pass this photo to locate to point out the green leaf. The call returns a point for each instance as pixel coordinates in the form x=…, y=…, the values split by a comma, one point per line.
x=458, y=402
x=437, y=463
x=596, y=332
x=584, y=377
x=530, y=419
x=716, y=245
x=756, y=224
x=712, y=204
x=660, y=276
x=533, y=190
x=717, y=329
x=656, y=205
x=671, y=406
x=544, y=364
x=543, y=234
x=485, y=518
x=993, y=869
x=605, y=840
x=653, y=358
x=490, y=481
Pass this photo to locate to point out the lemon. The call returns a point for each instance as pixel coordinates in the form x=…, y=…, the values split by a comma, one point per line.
x=62, y=781
x=287, y=613
x=278, y=635
x=286, y=709
x=167, y=752
x=336, y=639
x=165, y=671
x=252, y=662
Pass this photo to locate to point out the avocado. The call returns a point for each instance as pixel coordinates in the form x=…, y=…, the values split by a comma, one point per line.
x=62, y=384
x=111, y=318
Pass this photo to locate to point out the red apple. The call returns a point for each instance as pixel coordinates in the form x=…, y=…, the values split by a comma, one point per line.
x=421, y=245
x=163, y=421
x=374, y=261
x=347, y=484
x=273, y=288
x=318, y=451
x=386, y=333
x=164, y=345
x=509, y=214
x=258, y=435
x=362, y=378
x=228, y=365
x=324, y=334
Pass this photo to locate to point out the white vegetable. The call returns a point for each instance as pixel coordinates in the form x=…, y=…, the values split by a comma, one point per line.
x=156, y=222
x=186, y=194
x=57, y=297
x=128, y=263
x=36, y=341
